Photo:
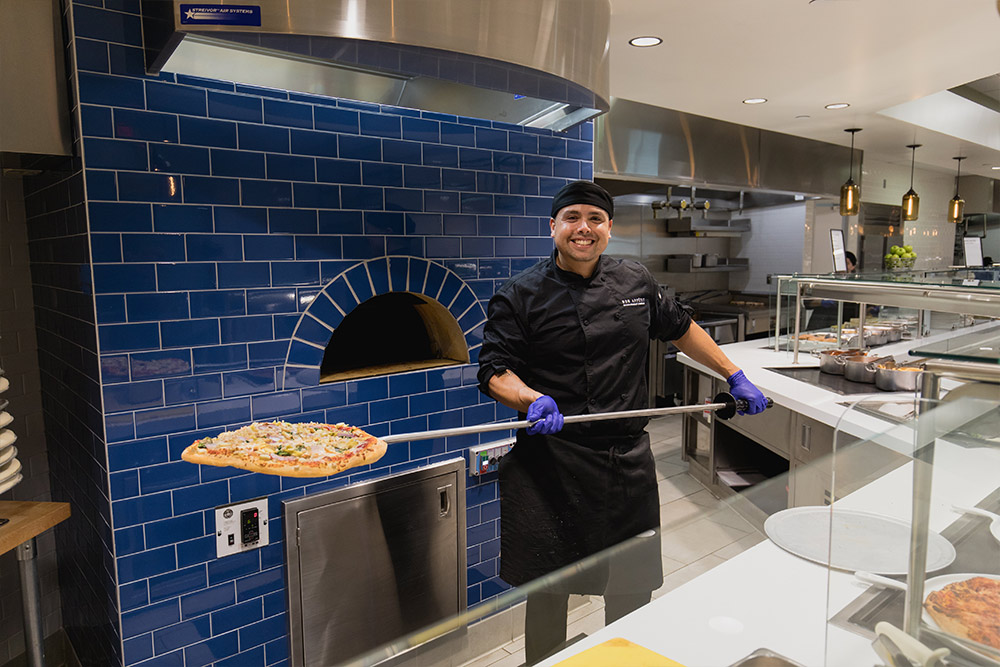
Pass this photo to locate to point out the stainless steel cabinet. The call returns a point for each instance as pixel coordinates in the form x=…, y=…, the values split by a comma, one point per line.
x=757, y=449
x=372, y=562
x=773, y=431
x=827, y=464
x=811, y=475
x=736, y=455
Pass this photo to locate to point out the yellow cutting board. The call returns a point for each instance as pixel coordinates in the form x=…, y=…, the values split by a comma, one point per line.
x=618, y=652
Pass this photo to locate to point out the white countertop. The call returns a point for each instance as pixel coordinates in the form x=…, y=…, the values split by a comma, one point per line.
x=756, y=356
x=768, y=598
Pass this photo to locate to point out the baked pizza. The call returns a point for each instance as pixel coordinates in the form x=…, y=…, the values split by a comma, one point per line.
x=969, y=609
x=308, y=449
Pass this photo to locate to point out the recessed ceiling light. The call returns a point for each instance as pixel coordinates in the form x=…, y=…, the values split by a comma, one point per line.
x=837, y=105
x=803, y=116
x=755, y=100
x=645, y=41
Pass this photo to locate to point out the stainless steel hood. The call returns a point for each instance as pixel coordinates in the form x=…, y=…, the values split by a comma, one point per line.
x=642, y=144
x=34, y=111
x=539, y=63
x=982, y=196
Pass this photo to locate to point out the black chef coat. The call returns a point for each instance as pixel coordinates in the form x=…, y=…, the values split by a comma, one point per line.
x=583, y=341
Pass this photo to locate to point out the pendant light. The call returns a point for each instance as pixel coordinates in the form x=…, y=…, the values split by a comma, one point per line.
x=956, y=207
x=911, y=200
x=850, y=192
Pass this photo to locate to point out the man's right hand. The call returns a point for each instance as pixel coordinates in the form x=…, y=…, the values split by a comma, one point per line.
x=545, y=413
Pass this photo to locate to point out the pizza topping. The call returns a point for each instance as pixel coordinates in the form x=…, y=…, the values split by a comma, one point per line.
x=969, y=608
x=279, y=447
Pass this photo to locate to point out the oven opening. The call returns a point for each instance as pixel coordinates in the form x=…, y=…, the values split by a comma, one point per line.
x=393, y=333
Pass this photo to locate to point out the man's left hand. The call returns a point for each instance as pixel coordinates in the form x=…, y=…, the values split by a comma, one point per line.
x=741, y=387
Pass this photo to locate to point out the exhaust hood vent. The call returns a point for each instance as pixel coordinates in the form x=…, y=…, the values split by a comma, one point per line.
x=981, y=194
x=34, y=108
x=639, y=142
x=538, y=63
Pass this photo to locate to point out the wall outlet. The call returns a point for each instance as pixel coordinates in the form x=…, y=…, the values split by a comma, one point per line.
x=486, y=457
x=240, y=527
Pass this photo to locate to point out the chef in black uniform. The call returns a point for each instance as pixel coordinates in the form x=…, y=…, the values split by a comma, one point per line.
x=571, y=334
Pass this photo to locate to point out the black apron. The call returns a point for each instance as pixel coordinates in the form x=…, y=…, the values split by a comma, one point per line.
x=562, y=501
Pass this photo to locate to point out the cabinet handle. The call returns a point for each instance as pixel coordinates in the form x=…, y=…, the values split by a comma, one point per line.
x=445, y=506
x=806, y=437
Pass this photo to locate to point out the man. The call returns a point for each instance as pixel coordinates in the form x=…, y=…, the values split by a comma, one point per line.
x=571, y=334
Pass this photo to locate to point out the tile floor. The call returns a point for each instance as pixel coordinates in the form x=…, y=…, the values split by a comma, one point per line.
x=698, y=533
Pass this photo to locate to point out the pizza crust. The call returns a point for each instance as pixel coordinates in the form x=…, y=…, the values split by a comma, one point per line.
x=949, y=624
x=373, y=450
x=968, y=609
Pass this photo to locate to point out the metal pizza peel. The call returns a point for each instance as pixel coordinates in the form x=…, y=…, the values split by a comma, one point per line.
x=724, y=405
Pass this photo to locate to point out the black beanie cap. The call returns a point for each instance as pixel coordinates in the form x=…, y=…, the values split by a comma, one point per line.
x=583, y=192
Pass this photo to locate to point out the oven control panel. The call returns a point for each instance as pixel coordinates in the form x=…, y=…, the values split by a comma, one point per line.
x=240, y=527
x=485, y=458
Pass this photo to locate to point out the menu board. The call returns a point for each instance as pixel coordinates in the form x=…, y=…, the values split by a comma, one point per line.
x=973, y=250
x=837, y=246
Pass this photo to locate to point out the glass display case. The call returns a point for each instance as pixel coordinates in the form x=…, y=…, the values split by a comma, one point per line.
x=865, y=311
x=927, y=574
x=895, y=531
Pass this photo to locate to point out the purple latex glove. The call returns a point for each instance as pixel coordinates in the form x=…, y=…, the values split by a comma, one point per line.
x=741, y=387
x=545, y=411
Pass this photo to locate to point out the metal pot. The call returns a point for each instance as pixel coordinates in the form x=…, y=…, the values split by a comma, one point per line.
x=852, y=339
x=832, y=361
x=890, y=377
x=893, y=333
x=880, y=334
x=873, y=336
x=860, y=368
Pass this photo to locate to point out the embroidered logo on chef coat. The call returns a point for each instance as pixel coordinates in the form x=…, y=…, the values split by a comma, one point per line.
x=631, y=303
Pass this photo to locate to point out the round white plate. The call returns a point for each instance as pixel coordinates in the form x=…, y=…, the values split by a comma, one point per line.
x=861, y=540
x=7, y=437
x=10, y=483
x=10, y=469
x=5, y=419
x=7, y=454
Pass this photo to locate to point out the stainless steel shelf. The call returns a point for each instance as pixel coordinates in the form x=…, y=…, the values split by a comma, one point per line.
x=709, y=227
x=685, y=264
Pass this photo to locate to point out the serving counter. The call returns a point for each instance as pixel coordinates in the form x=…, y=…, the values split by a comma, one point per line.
x=767, y=597
x=913, y=471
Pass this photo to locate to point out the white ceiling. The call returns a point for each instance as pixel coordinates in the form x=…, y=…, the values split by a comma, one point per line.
x=801, y=55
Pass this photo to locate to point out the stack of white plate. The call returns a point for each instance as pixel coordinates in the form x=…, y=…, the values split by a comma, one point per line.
x=10, y=467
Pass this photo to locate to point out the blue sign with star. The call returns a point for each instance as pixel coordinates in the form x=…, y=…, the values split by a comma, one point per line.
x=220, y=15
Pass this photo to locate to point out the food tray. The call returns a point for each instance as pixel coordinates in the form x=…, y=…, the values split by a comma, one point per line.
x=861, y=540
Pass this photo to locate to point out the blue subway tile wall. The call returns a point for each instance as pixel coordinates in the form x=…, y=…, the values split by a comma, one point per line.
x=231, y=229
x=78, y=463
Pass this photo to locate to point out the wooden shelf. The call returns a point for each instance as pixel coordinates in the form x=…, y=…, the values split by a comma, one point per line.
x=28, y=520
